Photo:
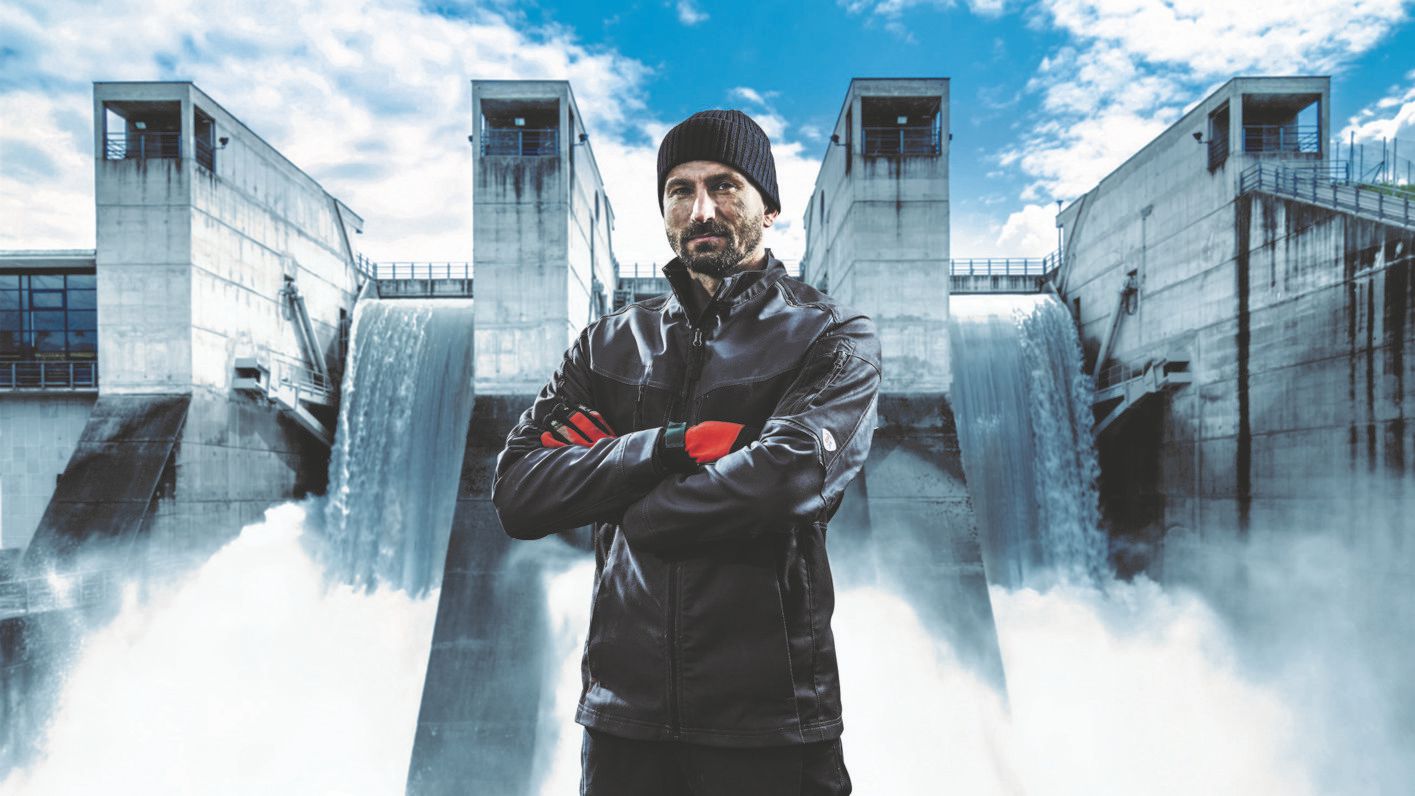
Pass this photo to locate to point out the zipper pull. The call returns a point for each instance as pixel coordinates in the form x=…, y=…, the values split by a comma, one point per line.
x=698, y=337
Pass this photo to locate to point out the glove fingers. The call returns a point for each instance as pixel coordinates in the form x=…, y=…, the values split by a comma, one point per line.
x=598, y=420
x=549, y=440
x=587, y=427
x=571, y=433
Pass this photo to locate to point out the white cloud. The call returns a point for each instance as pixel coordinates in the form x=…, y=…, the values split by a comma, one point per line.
x=891, y=12
x=1029, y=232
x=1133, y=66
x=689, y=13
x=372, y=103
x=1392, y=116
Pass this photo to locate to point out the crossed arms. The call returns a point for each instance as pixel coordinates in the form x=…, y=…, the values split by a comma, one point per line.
x=815, y=441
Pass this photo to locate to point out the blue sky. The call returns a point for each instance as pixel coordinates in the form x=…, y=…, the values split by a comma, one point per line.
x=372, y=100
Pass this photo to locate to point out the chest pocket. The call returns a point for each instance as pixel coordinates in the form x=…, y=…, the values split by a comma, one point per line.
x=749, y=403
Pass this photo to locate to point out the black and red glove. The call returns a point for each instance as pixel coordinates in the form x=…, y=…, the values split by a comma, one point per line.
x=683, y=449
x=578, y=425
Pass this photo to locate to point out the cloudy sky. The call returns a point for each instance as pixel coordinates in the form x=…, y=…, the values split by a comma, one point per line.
x=372, y=98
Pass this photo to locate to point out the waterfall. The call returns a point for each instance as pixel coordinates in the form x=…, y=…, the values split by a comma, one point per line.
x=1022, y=402
x=405, y=404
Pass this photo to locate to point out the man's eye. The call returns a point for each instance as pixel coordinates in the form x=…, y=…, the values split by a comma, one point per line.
x=724, y=186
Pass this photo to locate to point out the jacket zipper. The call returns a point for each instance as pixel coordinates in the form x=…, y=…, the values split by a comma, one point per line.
x=696, y=351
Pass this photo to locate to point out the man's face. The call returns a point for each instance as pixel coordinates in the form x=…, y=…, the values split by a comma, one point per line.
x=714, y=217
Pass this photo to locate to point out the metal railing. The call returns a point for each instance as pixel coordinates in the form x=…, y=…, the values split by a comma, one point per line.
x=206, y=154
x=1002, y=266
x=420, y=270
x=520, y=141
x=143, y=145
x=291, y=374
x=20, y=375
x=1218, y=150
x=641, y=271
x=80, y=588
x=1282, y=138
x=54, y=593
x=901, y=140
x=1311, y=185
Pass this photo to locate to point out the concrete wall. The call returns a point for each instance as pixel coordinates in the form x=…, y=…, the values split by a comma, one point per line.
x=191, y=259
x=1295, y=321
x=536, y=242
x=39, y=433
x=877, y=237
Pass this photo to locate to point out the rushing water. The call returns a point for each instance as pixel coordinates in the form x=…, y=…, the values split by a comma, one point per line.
x=257, y=674
x=405, y=403
x=1022, y=404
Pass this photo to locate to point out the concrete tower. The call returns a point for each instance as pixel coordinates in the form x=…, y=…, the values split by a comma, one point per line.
x=540, y=231
x=208, y=240
x=877, y=222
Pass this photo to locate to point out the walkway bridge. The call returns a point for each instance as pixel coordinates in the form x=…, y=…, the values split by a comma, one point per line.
x=974, y=275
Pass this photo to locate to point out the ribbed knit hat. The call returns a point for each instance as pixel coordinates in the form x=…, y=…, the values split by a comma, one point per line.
x=729, y=137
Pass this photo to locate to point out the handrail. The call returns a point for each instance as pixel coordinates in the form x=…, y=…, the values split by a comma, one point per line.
x=421, y=270
x=142, y=145
x=55, y=374
x=520, y=141
x=901, y=140
x=1381, y=202
x=1002, y=266
x=1282, y=138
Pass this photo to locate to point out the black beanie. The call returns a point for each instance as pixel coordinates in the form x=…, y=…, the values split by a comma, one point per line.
x=729, y=137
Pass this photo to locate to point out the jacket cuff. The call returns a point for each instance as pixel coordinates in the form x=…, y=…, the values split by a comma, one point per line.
x=637, y=457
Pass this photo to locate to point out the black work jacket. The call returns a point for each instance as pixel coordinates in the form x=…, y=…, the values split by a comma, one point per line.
x=713, y=595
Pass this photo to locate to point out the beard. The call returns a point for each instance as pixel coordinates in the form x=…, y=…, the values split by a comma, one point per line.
x=722, y=260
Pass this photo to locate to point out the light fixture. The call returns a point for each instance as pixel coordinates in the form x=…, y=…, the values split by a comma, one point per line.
x=902, y=120
x=140, y=125
x=1199, y=136
x=835, y=139
x=520, y=122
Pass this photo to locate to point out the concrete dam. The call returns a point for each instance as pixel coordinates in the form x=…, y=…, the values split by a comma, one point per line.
x=1134, y=517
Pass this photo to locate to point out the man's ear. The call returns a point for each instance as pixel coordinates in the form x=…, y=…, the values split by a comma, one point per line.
x=769, y=217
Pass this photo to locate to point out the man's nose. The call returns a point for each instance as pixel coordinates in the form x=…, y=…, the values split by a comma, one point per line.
x=704, y=208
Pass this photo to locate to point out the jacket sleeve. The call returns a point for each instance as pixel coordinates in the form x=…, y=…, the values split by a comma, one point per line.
x=538, y=491
x=812, y=446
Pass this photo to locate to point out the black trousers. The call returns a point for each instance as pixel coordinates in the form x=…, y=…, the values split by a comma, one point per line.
x=614, y=766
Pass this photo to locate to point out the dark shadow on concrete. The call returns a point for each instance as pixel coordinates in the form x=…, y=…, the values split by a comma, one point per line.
x=107, y=490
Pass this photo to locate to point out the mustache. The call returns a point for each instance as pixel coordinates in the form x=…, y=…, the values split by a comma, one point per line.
x=705, y=228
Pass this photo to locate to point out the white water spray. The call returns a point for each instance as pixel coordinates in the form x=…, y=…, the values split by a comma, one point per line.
x=248, y=675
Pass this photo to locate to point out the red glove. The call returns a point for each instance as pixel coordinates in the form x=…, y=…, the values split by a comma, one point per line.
x=710, y=440
x=579, y=426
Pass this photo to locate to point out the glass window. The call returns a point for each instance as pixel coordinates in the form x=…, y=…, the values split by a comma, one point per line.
x=83, y=299
x=83, y=319
x=81, y=343
x=10, y=344
x=10, y=320
x=47, y=299
x=47, y=321
x=9, y=281
x=46, y=281
x=9, y=299
x=83, y=281
x=49, y=343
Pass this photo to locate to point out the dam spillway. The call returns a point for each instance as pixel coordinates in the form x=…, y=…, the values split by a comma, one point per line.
x=406, y=401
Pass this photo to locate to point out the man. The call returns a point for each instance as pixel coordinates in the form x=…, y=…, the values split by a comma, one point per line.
x=708, y=434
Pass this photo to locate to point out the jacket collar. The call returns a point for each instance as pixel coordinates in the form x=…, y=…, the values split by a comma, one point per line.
x=735, y=290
